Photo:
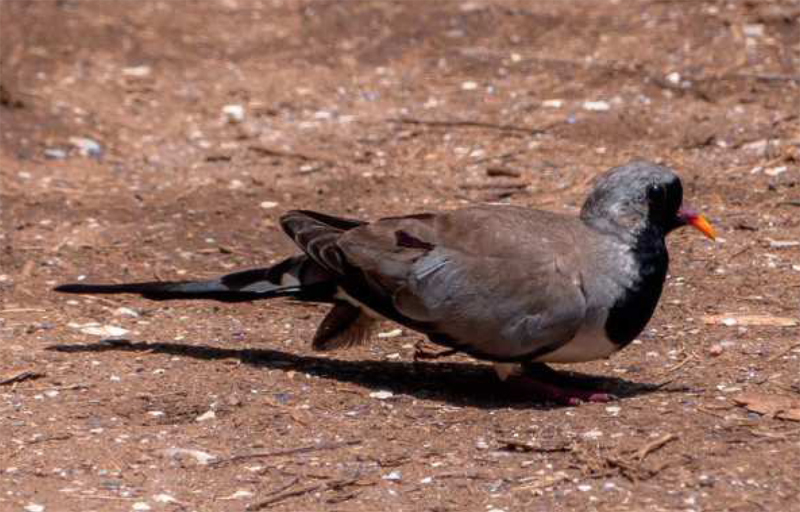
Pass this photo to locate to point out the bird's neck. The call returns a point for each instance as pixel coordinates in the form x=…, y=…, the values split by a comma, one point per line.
x=631, y=312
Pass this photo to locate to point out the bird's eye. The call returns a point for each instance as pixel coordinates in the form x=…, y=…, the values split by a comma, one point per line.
x=656, y=193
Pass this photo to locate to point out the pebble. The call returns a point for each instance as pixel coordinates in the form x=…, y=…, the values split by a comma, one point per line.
x=239, y=495
x=596, y=106
x=233, y=113
x=394, y=476
x=469, y=86
x=753, y=30
x=268, y=204
x=592, y=434
x=584, y=487
x=208, y=415
x=381, y=395
x=390, y=334
x=674, y=78
x=783, y=244
x=775, y=171
x=95, y=329
x=123, y=311
x=87, y=146
x=140, y=506
x=715, y=350
x=55, y=154
x=200, y=456
x=137, y=71
x=34, y=507
x=553, y=103
x=164, y=498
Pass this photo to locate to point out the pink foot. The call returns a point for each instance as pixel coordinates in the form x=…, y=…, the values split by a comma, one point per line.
x=549, y=392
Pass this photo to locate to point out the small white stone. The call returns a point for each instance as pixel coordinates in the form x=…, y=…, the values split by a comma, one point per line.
x=381, y=395
x=200, y=456
x=164, y=498
x=596, y=106
x=34, y=507
x=469, y=86
x=391, y=334
x=592, y=434
x=239, y=495
x=613, y=410
x=584, y=487
x=140, y=506
x=268, y=204
x=233, y=113
x=137, y=71
x=729, y=322
x=123, y=311
x=86, y=146
x=206, y=416
x=394, y=476
x=553, y=103
x=426, y=480
x=674, y=78
x=95, y=329
x=753, y=30
x=775, y=171
x=783, y=244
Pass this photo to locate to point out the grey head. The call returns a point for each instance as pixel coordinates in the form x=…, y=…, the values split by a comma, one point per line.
x=639, y=199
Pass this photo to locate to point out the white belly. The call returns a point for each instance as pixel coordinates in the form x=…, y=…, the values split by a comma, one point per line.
x=589, y=344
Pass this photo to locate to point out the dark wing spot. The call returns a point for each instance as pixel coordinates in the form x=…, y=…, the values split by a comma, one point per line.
x=403, y=239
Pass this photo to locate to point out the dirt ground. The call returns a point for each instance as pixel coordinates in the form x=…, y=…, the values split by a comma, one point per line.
x=206, y=120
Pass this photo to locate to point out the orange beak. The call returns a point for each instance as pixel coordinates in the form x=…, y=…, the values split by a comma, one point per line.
x=699, y=222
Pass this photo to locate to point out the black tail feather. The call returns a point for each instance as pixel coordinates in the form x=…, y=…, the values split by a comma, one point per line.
x=296, y=277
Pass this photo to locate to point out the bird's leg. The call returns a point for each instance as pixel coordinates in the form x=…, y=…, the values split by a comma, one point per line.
x=545, y=383
x=421, y=353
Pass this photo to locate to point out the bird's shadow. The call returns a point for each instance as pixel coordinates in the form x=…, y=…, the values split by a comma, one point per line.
x=457, y=383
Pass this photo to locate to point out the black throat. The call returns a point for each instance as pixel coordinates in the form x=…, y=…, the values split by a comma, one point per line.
x=631, y=312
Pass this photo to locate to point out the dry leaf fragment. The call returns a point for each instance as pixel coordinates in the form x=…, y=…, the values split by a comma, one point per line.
x=774, y=406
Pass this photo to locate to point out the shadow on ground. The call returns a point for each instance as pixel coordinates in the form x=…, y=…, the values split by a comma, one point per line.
x=457, y=383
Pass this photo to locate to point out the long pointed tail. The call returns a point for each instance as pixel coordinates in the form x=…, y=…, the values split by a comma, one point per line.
x=296, y=277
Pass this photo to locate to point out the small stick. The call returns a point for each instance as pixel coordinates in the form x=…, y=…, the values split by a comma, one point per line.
x=783, y=352
x=468, y=124
x=21, y=377
x=291, y=451
x=520, y=446
x=649, y=448
x=338, y=484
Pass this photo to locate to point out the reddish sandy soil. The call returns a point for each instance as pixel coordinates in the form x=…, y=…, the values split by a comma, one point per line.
x=369, y=109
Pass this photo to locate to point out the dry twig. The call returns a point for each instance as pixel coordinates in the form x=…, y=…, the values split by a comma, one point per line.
x=290, y=451
x=468, y=124
x=21, y=377
x=655, y=445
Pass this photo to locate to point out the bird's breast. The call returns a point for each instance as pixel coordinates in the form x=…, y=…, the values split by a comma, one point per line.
x=590, y=343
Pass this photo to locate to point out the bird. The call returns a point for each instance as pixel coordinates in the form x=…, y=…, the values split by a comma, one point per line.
x=511, y=285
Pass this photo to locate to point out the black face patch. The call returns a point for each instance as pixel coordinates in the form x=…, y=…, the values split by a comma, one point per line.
x=663, y=201
x=403, y=239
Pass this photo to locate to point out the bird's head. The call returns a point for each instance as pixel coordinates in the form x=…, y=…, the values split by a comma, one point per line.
x=641, y=196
